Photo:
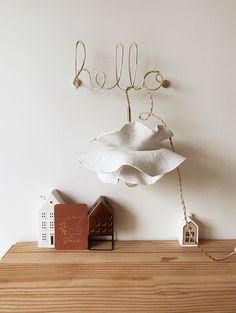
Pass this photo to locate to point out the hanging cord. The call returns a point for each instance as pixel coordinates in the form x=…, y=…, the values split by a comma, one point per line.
x=146, y=116
x=129, y=116
x=186, y=217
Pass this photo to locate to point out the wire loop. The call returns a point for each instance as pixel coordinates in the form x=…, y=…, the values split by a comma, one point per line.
x=133, y=72
x=158, y=79
x=77, y=81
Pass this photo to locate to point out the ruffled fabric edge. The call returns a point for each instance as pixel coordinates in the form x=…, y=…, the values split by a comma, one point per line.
x=134, y=136
x=149, y=166
x=129, y=175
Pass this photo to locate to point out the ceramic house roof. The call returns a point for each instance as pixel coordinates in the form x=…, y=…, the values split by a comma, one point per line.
x=191, y=223
x=55, y=197
x=183, y=223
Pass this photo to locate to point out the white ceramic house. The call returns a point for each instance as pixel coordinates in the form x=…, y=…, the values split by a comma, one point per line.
x=188, y=236
x=46, y=220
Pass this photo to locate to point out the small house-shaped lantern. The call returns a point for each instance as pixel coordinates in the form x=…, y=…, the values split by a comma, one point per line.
x=101, y=223
x=188, y=235
x=46, y=220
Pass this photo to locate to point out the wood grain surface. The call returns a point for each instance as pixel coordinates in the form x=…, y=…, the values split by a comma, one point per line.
x=138, y=276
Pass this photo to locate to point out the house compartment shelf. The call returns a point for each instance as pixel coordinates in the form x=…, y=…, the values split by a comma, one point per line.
x=137, y=276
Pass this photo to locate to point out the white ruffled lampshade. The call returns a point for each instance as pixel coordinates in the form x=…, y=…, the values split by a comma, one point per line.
x=133, y=154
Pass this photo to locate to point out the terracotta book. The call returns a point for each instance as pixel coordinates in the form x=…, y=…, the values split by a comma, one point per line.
x=71, y=226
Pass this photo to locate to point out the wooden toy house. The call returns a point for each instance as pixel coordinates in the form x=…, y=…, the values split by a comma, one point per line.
x=101, y=223
x=46, y=237
x=188, y=235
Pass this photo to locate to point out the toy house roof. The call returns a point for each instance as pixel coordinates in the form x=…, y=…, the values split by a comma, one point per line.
x=183, y=223
x=53, y=197
x=100, y=207
x=191, y=223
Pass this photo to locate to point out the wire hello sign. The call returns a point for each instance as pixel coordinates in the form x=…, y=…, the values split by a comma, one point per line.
x=134, y=153
x=100, y=78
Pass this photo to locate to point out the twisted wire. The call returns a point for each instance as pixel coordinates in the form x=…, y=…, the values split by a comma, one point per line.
x=100, y=78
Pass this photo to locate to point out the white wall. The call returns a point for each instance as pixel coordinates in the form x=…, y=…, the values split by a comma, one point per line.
x=45, y=124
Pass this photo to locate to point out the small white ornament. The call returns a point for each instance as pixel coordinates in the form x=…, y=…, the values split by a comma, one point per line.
x=46, y=220
x=133, y=154
x=188, y=236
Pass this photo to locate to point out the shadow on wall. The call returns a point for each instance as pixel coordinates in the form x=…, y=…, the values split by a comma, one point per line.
x=205, y=229
x=124, y=218
x=201, y=172
x=67, y=198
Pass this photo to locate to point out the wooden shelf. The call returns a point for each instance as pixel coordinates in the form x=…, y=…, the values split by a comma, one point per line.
x=138, y=276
